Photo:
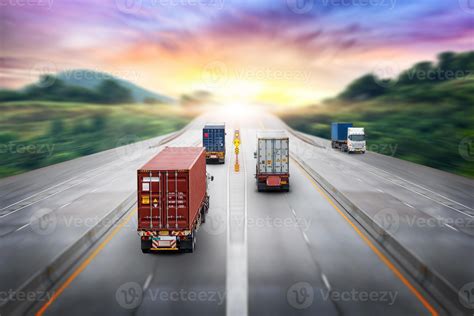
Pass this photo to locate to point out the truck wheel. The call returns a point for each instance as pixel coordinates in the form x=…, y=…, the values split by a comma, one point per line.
x=203, y=216
x=146, y=245
x=193, y=242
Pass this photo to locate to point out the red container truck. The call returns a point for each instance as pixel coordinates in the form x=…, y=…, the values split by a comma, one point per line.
x=172, y=199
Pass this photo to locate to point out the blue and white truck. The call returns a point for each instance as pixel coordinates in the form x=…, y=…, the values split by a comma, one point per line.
x=213, y=139
x=348, y=138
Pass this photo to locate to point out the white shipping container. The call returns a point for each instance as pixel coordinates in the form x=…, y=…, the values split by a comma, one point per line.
x=273, y=154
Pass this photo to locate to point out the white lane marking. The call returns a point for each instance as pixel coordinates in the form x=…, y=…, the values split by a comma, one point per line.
x=381, y=191
x=94, y=190
x=411, y=206
x=424, y=195
x=293, y=211
x=18, y=229
x=326, y=282
x=422, y=187
x=237, y=262
x=360, y=180
x=52, y=187
x=48, y=196
x=147, y=282
x=65, y=205
x=451, y=227
x=306, y=238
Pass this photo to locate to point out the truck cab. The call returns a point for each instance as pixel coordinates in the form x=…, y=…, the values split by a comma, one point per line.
x=356, y=140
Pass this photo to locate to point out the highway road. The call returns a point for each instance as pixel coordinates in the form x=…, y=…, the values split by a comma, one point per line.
x=259, y=253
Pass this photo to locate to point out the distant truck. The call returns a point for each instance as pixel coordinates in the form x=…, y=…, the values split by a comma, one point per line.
x=273, y=161
x=348, y=138
x=213, y=139
x=172, y=199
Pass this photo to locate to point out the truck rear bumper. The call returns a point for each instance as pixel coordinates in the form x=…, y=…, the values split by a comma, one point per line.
x=167, y=240
x=215, y=157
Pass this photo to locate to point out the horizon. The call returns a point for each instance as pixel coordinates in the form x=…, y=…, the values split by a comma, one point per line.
x=317, y=47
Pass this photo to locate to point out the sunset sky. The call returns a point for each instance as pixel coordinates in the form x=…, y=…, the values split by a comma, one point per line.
x=276, y=51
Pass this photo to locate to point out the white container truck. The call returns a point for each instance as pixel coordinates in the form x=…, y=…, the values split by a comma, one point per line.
x=273, y=161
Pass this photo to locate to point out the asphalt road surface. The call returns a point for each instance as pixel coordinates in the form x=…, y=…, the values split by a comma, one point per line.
x=258, y=253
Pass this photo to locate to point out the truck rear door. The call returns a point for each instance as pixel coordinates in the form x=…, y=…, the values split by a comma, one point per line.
x=174, y=202
x=273, y=156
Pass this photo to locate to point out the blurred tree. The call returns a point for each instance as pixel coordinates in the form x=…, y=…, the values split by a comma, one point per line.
x=111, y=92
x=363, y=88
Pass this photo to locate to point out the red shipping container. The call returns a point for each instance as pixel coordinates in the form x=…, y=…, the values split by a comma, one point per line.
x=172, y=190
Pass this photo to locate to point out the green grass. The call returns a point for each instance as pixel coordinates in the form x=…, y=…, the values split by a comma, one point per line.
x=36, y=134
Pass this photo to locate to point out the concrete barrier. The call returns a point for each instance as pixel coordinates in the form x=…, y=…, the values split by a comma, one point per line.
x=444, y=293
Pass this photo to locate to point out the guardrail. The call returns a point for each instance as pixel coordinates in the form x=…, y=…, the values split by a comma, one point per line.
x=47, y=277
x=445, y=294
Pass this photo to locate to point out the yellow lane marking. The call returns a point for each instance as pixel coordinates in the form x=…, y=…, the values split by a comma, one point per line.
x=84, y=264
x=382, y=257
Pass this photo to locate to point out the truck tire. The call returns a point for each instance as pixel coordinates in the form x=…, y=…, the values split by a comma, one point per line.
x=146, y=246
x=193, y=242
x=203, y=216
